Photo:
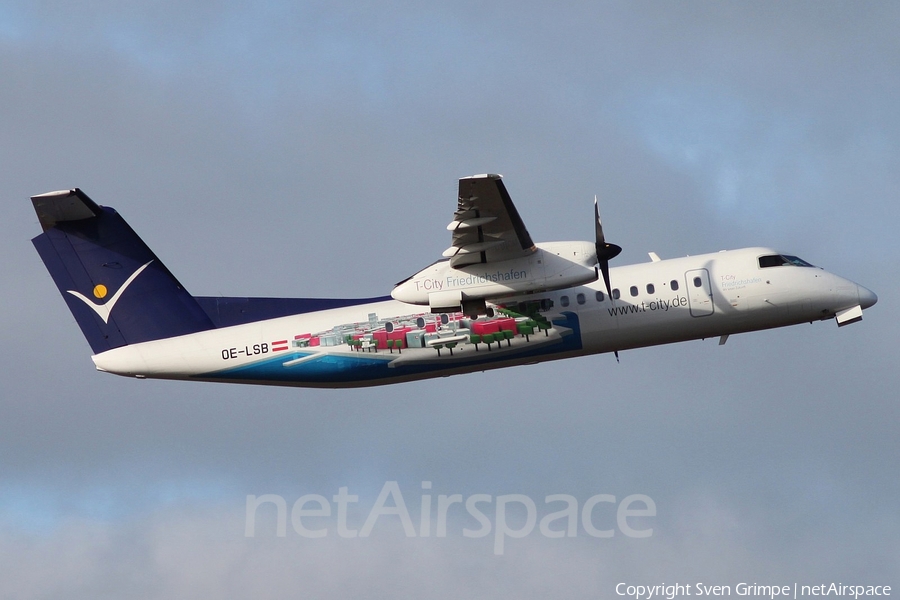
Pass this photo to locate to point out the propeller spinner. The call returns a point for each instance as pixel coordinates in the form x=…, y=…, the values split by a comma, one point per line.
x=605, y=251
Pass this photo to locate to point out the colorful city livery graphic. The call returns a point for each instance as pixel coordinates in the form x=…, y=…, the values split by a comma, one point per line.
x=402, y=346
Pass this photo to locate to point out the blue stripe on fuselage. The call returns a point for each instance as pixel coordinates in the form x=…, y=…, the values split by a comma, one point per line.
x=225, y=312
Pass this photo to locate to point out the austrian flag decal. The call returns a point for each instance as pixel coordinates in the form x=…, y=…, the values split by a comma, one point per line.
x=279, y=345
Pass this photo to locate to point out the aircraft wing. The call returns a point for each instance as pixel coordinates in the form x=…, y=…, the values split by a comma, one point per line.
x=486, y=226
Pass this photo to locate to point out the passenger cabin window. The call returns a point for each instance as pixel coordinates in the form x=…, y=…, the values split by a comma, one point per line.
x=633, y=290
x=564, y=301
x=781, y=260
x=674, y=285
x=600, y=296
x=616, y=294
x=651, y=289
x=579, y=298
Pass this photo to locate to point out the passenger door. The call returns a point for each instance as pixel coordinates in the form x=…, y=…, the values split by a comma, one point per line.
x=699, y=290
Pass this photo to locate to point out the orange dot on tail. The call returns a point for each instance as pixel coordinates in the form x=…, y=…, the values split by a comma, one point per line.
x=100, y=291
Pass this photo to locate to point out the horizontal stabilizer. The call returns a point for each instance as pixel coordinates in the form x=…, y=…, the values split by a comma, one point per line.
x=64, y=205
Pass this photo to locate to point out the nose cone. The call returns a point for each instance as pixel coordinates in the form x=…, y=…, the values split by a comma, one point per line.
x=866, y=296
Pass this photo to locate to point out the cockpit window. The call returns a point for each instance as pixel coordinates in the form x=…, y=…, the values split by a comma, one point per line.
x=781, y=260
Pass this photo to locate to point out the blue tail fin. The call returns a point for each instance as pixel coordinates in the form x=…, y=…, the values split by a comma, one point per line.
x=117, y=289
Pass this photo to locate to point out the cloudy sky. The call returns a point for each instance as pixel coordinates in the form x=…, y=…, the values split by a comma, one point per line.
x=313, y=149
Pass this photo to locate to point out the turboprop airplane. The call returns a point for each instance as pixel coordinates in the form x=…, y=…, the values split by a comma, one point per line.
x=496, y=299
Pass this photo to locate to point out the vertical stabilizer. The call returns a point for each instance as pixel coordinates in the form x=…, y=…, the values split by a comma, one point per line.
x=117, y=289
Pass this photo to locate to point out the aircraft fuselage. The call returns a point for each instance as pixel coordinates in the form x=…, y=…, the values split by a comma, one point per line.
x=660, y=302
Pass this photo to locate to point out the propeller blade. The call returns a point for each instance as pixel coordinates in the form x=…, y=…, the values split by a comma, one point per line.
x=604, y=270
x=605, y=251
x=598, y=227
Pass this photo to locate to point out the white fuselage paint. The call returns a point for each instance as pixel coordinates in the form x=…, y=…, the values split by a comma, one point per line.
x=735, y=295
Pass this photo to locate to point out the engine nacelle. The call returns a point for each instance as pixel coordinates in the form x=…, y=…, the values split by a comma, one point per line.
x=552, y=266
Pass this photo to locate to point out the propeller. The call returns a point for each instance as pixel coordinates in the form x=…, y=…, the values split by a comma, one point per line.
x=605, y=251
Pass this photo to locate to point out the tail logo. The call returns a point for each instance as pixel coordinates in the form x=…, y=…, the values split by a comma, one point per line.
x=103, y=310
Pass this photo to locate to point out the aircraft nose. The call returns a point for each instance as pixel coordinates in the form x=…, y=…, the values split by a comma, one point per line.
x=866, y=296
